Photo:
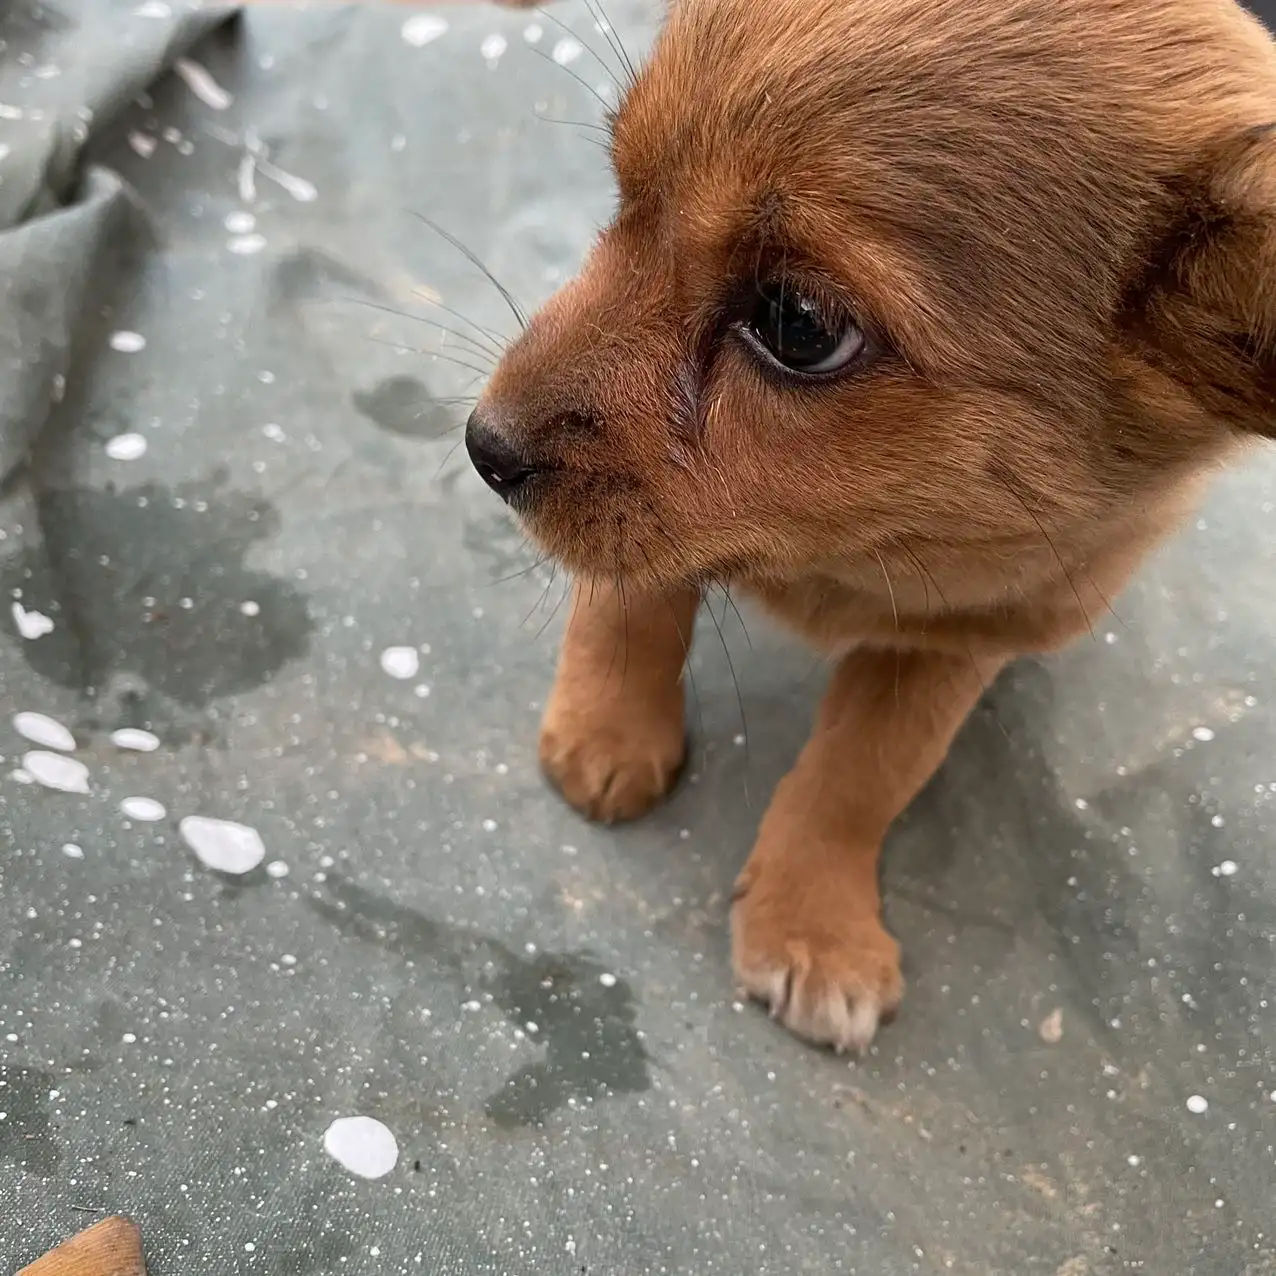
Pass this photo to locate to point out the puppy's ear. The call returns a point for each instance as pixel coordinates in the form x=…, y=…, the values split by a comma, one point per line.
x=1204, y=309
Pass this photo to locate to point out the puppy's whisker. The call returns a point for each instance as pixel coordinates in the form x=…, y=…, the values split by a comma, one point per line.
x=475, y=346
x=580, y=79
x=493, y=341
x=472, y=257
x=612, y=36
x=427, y=354
x=739, y=699
x=585, y=44
x=890, y=589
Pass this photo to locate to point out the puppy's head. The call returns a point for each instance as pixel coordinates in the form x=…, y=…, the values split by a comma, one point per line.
x=889, y=274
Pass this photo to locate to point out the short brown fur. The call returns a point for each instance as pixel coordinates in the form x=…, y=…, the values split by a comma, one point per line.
x=1056, y=222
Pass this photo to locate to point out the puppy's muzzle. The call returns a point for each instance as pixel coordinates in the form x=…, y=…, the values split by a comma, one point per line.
x=506, y=468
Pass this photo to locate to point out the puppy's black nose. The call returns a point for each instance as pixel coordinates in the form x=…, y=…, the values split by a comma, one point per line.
x=500, y=465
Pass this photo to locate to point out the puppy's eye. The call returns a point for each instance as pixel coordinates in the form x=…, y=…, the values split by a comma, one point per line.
x=788, y=328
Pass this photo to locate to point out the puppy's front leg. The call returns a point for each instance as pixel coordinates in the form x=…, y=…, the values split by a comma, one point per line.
x=614, y=738
x=807, y=934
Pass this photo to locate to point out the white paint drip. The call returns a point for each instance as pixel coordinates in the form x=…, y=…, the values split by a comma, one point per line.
x=144, y=809
x=47, y=732
x=403, y=663
x=566, y=51
x=363, y=1145
x=142, y=143
x=73, y=852
x=31, y=624
x=240, y=222
x=1197, y=1105
x=246, y=245
x=128, y=342
x=1203, y=734
x=302, y=191
x=126, y=447
x=222, y=845
x=54, y=771
x=199, y=80
x=135, y=740
x=492, y=48
x=422, y=29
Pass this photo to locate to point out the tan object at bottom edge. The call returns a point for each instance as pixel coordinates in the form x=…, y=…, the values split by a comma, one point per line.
x=112, y=1247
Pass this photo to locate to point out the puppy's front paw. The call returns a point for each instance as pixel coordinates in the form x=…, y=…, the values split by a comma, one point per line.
x=818, y=956
x=613, y=761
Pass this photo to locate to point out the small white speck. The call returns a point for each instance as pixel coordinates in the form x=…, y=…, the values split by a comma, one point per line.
x=249, y=1247
x=1134, y=1161
x=493, y=47
x=607, y=979
x=129, y=1038
x=738, y=741
x=1228, y=868
x=533, y=33
x=489, y=826
x=422, y=29
x=143, y=143
x=135, y=740
x=274, y=432
x=471, y=1006
x=1218, y=821
x=1197, y=1105
x=240, y=222
x=403, y=663
x=1050, y=1029
x=288, y=960
x=1082, y=805
x=566, y=51
x=153, y=9
x=250, y=608
x=277, y=869
x=53, y=771
x=143, y=809
x=1203, y=734
x=246, y=245
x=47, y=732
x=126, y=342
x=30, y=624
x=421, y=691
x=299, y=188
x=532, y=1028
x=126, y=447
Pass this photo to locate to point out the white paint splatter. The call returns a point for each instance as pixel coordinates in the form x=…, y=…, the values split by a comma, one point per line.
x=222, y=845
x=8, y=112
x=1050, y=1030
x=1228, y=868
x=240, y=222
x=199, y=80
x=401, y=662
x=21, y=777
x=533, y=33
x=126, y=447
x=73, y=852
x=246, y=245
x=274, y=432
x=47, y=732
x=277, y=869
x=144, y=809
x=607, y=979
x=493, y=47
x=128, y=342
x=142, y=143
x=250, y=608
x=1197, y=1105
x=246, y=177
x=422, y=29
x=5, y=149
x=31, y=624
x=302, y=191
x=489, y=826
x=1203, y=734
x=153, y=9
x=135, y=740
x=566, y=51
x=54, y=771
x=363, y=1145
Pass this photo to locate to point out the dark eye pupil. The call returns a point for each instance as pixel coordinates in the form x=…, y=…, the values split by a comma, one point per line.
x=790, y=326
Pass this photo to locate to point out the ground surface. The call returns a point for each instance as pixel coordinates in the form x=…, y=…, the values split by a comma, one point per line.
x=540, y=1012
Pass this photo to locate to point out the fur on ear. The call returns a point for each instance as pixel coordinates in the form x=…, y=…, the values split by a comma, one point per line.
x=1204, y=310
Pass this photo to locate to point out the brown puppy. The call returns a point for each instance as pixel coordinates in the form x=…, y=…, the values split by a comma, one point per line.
x=920, y=321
